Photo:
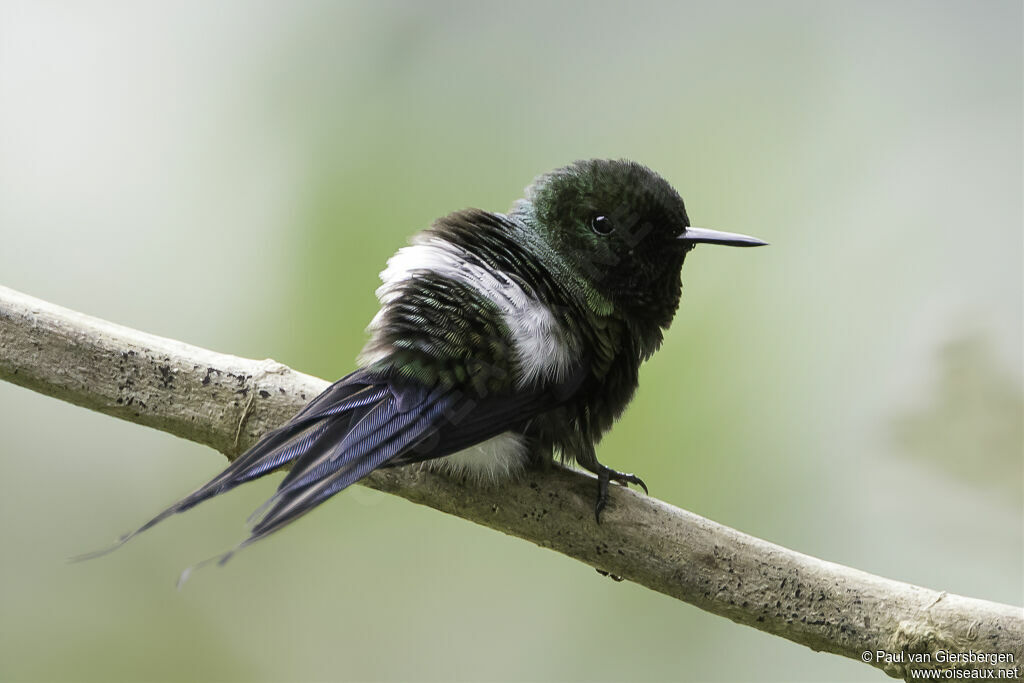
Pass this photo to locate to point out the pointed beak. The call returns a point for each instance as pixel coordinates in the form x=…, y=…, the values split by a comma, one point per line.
x=730, y=239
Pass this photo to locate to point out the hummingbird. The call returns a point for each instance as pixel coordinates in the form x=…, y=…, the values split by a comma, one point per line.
x=502, y=342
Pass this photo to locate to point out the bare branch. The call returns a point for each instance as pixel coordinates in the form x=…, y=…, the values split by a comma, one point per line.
x=226, y=402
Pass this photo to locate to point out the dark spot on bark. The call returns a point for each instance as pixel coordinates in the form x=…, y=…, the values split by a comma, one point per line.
x=120, y=401
x=264, y=394
x=281, y=390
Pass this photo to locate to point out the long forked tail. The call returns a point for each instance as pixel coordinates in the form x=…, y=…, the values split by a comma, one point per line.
x=352, y=428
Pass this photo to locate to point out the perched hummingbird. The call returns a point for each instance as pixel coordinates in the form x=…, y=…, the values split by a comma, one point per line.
x=501, y=341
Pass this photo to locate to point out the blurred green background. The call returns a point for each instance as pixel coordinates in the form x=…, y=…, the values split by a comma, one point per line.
x=235, y=175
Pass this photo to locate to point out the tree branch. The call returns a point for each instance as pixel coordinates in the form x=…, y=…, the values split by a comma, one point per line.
x=227, y=402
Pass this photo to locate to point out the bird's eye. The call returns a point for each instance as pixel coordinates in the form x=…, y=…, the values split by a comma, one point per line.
x=602, y=225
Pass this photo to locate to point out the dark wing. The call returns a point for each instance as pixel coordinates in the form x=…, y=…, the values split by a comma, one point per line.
x=358, y=424
x=409, y=423
x=421, y=402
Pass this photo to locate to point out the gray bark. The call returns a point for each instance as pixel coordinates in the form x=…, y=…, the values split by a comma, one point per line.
x=227, y=402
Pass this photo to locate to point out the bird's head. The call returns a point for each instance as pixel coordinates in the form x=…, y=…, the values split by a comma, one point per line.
x=622, y=231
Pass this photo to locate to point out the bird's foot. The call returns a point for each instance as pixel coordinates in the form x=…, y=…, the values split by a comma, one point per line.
x=606, y=475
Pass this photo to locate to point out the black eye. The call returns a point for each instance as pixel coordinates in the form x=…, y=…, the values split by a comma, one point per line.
x=602, y=225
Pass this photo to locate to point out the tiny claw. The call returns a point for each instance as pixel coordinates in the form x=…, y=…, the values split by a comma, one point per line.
x=606, y=475
x=640, y=482
x=626, y=478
